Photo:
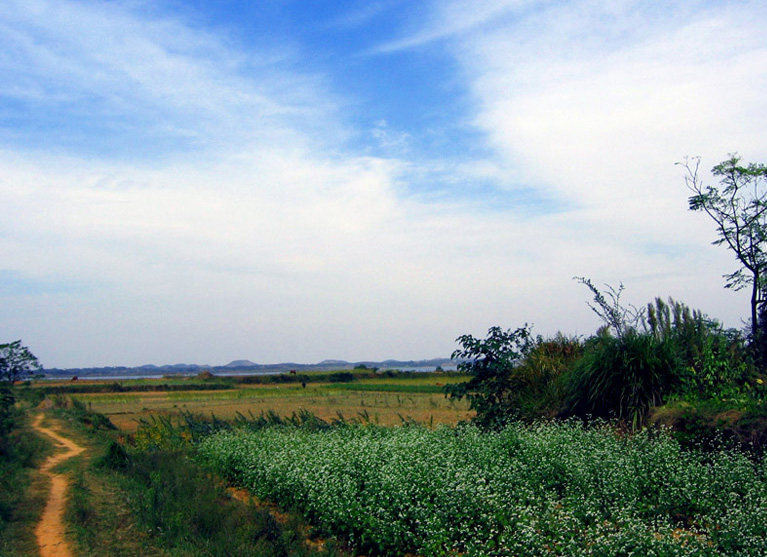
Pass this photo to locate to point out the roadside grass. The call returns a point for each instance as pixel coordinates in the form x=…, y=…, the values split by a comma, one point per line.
x=22, y=490
x=161, y=503
x=144, y=510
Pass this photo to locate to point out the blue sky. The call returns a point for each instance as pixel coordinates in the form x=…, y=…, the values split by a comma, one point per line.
x=206, y=181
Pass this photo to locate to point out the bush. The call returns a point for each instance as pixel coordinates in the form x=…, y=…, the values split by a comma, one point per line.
x=715, y=359
x=539, y=381
x=623, y=377
x=491, y=362
x=515, y=377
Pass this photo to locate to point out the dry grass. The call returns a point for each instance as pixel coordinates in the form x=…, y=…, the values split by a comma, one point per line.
x=322, y=399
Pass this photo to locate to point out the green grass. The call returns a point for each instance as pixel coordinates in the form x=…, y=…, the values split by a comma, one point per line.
x=161, y=503
x=22, y=490
x=178, y=509
x=391, y=388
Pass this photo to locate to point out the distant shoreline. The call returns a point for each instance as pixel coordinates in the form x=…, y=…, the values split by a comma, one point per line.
x=182, y=371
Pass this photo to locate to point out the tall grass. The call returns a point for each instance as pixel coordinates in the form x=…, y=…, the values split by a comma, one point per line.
x=178, y=501
x=624, y=377
x=20, y=452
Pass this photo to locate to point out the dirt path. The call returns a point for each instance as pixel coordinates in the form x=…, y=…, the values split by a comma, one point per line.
x=50, y=530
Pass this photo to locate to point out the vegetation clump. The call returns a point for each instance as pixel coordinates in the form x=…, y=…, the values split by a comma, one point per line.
x=637, y=363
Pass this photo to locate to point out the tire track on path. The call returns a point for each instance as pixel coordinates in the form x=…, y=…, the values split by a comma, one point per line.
x=50, y=530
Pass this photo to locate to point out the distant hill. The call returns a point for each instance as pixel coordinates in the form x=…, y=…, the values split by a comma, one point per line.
x=241, y=366
x=241, y=363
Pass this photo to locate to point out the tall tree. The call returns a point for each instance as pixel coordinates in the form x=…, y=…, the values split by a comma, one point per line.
x=738, y=207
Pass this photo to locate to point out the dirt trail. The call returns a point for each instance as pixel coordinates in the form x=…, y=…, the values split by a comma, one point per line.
x=50, y=530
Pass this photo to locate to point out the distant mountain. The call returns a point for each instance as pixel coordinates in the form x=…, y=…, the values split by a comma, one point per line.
x=247, y=366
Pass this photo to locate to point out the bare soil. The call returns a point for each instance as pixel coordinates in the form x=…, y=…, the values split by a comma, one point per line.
x=50, y=530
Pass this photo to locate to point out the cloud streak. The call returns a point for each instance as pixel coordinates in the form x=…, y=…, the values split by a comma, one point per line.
x=129, y=76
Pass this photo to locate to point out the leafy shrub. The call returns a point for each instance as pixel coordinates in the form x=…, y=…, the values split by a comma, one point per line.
x=491, y=362
x=115, y=458
x=539, y=381
x=515, y=377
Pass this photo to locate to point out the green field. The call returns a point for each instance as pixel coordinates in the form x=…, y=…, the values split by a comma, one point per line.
x=386, y=400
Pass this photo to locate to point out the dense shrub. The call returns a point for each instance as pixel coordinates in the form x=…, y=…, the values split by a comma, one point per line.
x=515, y=377
x=539, y=382
x=715, y=360
x=638, y=360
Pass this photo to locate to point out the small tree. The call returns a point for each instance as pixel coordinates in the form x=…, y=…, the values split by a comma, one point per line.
x=16, y=362
x=490, y=362
x=738, y=207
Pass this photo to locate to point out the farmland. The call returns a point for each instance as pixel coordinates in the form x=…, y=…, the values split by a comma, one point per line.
x=550, y=489
x=320, y=448
x=383, y=400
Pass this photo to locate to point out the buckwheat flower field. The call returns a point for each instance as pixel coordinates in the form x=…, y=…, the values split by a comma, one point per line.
x=547, y=489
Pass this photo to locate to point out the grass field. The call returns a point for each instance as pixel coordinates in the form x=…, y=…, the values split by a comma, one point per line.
x=384, y=400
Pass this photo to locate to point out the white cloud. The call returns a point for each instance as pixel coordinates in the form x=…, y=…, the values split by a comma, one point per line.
x=149, y=75
x=270, y=242
x=592, y=103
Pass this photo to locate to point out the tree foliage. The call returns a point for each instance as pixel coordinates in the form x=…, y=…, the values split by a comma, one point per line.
x=16, y=362
x=738, y=207
x=490, y=362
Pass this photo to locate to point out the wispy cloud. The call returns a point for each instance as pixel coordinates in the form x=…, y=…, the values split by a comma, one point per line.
x=450, y=20
x=591, y=103
x=133, y=76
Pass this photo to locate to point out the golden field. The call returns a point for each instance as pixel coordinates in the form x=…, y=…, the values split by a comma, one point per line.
x=384, y=400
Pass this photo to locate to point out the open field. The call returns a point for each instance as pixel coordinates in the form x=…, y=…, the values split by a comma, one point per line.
x=384, y=400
